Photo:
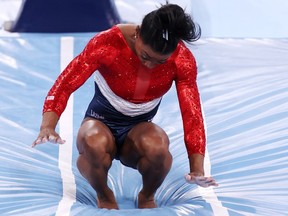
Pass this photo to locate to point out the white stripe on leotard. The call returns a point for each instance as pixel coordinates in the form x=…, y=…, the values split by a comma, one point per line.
x=121, y=105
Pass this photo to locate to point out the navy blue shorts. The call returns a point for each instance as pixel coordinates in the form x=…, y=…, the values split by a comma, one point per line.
x=119, y=124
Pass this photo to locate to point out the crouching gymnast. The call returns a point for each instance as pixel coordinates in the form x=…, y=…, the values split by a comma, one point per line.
x=134, y=67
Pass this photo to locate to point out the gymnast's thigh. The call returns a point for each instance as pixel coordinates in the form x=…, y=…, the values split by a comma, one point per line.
x=94, y=129
x=141, y=141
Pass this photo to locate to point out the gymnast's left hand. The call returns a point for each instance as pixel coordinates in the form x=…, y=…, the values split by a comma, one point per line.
x=194, y=178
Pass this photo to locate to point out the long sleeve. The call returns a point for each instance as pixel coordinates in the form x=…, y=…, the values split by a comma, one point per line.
x=74, y=75
x=190, y=105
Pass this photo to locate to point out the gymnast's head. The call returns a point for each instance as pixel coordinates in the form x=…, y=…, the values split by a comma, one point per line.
x=160, y=32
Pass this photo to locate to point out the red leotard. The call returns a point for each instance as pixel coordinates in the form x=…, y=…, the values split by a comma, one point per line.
x=128, y=78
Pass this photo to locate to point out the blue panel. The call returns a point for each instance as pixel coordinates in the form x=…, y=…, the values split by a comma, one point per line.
x=66, y=16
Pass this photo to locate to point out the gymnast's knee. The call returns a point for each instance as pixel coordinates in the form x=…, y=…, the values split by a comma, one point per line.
x=155, y=147
x=96, y=146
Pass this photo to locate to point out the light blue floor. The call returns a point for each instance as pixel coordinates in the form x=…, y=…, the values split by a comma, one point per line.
x=244, y=89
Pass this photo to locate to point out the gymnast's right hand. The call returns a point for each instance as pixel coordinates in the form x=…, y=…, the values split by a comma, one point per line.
x=48, y=135
x=47, y=130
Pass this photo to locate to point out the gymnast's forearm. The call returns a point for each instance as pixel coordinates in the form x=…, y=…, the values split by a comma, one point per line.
x=49, y=120
x=196, y=162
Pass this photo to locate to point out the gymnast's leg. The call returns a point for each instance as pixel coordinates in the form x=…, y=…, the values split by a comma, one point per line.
x=146, y=148
x=97, y=149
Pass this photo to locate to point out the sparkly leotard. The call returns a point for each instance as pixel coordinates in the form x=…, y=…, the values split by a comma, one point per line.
x=109, y=53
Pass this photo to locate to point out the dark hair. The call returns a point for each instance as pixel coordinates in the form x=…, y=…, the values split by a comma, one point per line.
x=162, y=29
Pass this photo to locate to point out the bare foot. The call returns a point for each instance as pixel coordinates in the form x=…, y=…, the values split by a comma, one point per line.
x=108, y=202
x=146, y=202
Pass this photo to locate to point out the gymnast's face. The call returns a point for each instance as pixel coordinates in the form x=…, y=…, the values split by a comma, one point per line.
x=147, y=56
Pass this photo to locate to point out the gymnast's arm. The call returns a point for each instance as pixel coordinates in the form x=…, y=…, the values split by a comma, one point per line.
x=73, y=76
x=193, y=124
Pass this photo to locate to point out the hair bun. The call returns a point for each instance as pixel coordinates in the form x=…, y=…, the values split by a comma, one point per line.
x=172, y=18
x=163, y=28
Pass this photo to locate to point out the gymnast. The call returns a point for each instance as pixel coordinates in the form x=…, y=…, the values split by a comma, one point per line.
x=133, y=66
